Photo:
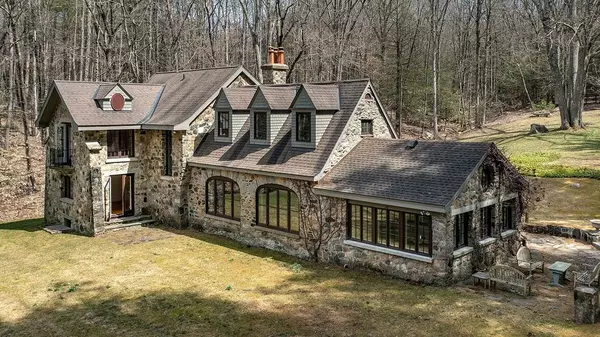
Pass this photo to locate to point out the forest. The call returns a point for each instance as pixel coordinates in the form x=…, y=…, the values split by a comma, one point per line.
x=434, y=62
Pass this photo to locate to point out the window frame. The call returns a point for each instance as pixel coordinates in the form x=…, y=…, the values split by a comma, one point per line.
x=122, y=143
x=279, y=188
x=487, y=177
x=369, y=123
x=309, y=125
x=510, y=206
x=234, y=185
x=487, y=221
x=66, y=190
x=462, y=223
x=255, y=125
x=374, y=223
x=167, y=169
x=221, y=122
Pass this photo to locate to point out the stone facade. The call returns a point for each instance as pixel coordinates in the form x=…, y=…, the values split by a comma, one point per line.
x=367, y=109
x=274, y=73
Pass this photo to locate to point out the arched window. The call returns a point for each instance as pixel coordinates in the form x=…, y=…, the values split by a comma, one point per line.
x=223, y=198
x=277, y=207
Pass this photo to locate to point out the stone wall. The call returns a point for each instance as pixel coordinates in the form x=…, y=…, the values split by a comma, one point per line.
x=366, y=109
x=483, y=251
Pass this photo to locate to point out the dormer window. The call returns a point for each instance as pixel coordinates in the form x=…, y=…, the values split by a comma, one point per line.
x=260, y=125
x=223, y=124
x=303, y=127
x=113, y=97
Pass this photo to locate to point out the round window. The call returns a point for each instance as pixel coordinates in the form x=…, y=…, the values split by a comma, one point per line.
x=117, y=102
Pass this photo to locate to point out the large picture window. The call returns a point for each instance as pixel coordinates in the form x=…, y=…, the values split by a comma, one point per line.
x=390, y=228
x=303, y=127
x=223, y=124
x=223, y=198
x=277, y=207
x=260, y=125
x=120, y=143
x=461, y=229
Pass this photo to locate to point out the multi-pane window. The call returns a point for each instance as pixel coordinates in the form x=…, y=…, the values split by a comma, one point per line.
x=390, y=228
x=66, y=187
x=508, y=215
x=277, y=207
x=223, y=124
x=303, y=127
x=366, y=127
x=223, y=198
x=461, y=229
x=167, y=153
x=120, y=143
x=260, y=125
x=487, y=216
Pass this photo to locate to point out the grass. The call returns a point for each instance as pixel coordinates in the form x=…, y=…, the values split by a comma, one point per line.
x=557, y=154
x=570, y=202
x=154, y=282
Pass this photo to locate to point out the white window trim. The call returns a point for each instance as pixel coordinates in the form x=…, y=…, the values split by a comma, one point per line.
x=462, y=251
x=67, y=200
x=222, y=219
x=508, y=233
x=276, y=231
x=389, y=251
x=121, y=160
x=487, y=241
x=221, y=138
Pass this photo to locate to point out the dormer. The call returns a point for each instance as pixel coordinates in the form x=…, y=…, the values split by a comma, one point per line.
x=269, y=109
x=312, y=110
x=231, y=112
x=112, y=97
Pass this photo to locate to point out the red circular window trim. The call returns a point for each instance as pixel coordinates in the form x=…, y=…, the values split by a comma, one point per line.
x=117, y=102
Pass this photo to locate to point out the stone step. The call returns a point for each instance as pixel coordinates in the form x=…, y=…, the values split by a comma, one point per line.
x=121, y=225
x=129, y=219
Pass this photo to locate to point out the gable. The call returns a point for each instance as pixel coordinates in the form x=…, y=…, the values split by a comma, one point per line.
x=222, y=103
x=259, y=101
x=303, y=101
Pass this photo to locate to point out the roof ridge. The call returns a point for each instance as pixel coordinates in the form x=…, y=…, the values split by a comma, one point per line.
x=191, y=70
x=110, y=83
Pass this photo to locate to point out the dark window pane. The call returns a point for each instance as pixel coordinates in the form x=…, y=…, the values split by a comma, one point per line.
x=410, y=233
x=367, y=218
x=382, y=231
x=424, y=234
x=223, y=124
x=508, y=217
x=120, y=143
x=283, y=209
x=228, y=199
x=395, y=227
x=272, y=221
x=168, y=153
x=260, y=125
x=355, y=222
x=303, y=126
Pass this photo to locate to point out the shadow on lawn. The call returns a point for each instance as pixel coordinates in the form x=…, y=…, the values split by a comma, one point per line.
x=194, y=314
x=29, y=225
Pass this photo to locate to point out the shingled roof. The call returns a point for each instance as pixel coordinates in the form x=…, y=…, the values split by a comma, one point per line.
x=278, y=97
x=171, y=99
x=239, y=98
x=280, y=157
x=323, y=97
x=78, y=97
x=432, y=173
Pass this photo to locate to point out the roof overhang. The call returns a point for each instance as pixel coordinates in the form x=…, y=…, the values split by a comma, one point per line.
x=377, y=200
x=249, y=171
x=108, y=127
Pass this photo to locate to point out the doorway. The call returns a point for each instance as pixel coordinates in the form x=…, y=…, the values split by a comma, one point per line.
x=121, y=195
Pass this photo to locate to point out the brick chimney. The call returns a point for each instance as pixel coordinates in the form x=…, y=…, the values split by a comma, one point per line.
x=275, y=71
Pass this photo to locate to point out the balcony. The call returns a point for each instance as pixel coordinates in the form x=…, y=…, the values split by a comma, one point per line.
x=60, y=158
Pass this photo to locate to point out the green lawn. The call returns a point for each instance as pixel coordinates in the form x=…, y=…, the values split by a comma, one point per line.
x=156, y=282
x=571, y=153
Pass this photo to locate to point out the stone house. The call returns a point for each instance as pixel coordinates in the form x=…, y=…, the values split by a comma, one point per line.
x=314, y=170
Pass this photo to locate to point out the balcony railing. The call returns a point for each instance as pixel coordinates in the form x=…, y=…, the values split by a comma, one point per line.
x=60, y=157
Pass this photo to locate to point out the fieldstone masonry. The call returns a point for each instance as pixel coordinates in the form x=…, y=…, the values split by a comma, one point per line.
x=587, y=305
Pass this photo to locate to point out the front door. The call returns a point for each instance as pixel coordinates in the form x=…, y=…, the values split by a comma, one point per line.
x=121, y=195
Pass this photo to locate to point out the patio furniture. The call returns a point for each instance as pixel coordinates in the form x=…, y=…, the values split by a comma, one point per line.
x=482, y=277
x=525, y=260
x=558, y=269
x=510, y=276
x=587, y=277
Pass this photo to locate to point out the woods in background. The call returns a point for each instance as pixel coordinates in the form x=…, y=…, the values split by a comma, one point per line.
x=435, y=61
